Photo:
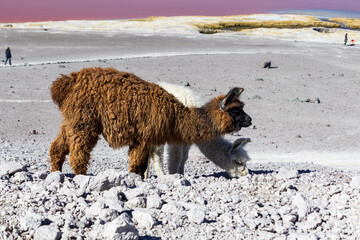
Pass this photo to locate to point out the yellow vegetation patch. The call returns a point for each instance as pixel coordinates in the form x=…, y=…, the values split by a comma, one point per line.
x=353, y=23
x=241, y=25
x=149, y=19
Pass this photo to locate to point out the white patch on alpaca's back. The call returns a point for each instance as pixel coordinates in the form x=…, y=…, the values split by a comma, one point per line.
x=185, y=95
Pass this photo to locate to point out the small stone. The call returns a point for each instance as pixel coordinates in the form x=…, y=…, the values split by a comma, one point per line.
x=107, y=214
x=10, y=168
x=95, y=209
x=154, y=201
x=30, y=221
x=303, y=206
x=132, y=193
x=267, y=64
x=54, y=177
x=176, y=220
x=138, y=202
x=196, y=215
x=21, y=177
x=355, y=182
x=285, y=173
x=143, y=219
x=313, y=221
x=47, y=233
x=121, y=227
x=256, y=97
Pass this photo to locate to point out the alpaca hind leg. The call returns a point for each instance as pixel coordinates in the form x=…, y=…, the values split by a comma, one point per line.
x=174, y=158
x=81, y=145
x=158, y=158
x=59, y=149
x=138, y=158
x=147, y=172
x=184, y=156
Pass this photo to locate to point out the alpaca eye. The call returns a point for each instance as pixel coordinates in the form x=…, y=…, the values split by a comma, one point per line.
x=238, y=163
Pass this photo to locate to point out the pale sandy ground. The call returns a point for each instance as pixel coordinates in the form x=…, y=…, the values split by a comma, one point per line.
x=286, y=128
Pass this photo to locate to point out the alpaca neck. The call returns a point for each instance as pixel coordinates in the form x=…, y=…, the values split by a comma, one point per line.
x=217, y=151
x=194, y=125
x=201, y=124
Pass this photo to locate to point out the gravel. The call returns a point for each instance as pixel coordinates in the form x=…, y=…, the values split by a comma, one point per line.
x=275, y=201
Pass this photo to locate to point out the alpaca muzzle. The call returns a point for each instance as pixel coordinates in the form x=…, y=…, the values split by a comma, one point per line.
x=244, y=121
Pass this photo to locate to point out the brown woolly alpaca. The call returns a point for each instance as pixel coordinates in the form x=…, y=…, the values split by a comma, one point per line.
x=130, y=111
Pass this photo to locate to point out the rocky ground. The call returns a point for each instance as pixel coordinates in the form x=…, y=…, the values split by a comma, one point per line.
x=275, y=201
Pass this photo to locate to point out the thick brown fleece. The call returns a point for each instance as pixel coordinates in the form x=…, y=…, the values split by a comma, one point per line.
x=128, y=111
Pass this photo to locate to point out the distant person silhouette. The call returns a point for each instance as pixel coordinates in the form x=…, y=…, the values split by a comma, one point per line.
x=346, y=39
x=8, y=55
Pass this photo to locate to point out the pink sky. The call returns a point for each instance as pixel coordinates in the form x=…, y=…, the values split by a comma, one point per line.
x=54, y=10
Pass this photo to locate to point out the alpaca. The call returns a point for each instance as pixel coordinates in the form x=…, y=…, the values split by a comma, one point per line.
x=230, y=157
x=129, y=111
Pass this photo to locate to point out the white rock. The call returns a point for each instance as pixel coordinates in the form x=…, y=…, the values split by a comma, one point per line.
x=82, y=183
x=121, y=227
x=303, y=206
x=10, y=168
x=196, y=215
x=98, y=183
x=143, y=219
x=285, y=173
x=154, y=201
x=47, y=233
x=176, y=220
x=172, y=207
x=115, y=194
x=289, y=218
x=301, y=236
x=313, y=221
x=181, y=182
x=138, y=202
x=174, y=180
x=21, y=177
x=95, y=209
x=30, y=221
x=355, y=182
x=41, y=175
x=133, y=193
x=105, y=180
x=54, y=177
x=108, y=214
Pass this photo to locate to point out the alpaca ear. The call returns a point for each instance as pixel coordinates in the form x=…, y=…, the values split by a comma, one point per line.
x=232, y=95
x=240, y=142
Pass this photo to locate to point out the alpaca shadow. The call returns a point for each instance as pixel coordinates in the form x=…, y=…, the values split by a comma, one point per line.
x=260, y=172
x=147, y=237
x=305, y=171
x=216, y=175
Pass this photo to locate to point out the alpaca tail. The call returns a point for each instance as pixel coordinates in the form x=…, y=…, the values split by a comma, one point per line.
x=61, y=87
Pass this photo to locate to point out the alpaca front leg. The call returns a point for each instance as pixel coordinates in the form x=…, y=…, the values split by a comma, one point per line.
x=59, y=149
x=184, y=156
x=138, y=158
x=175, y=158
x=158, y=158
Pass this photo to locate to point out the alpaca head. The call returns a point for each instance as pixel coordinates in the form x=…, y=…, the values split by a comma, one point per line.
x=234, y=107
x=238, y=158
